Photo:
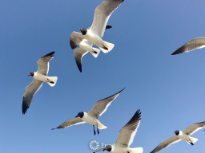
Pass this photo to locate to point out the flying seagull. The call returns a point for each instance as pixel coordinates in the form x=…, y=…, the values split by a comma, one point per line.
x=181, y=135
x=92, y=116
x=126, y=137
x=196, y=43
x=38, y=78
x=77, y=39
x=95, y=33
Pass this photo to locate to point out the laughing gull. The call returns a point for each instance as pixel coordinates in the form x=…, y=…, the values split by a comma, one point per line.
x=77, y=39
x=181, y=135
x=126, y=137
x=92, y=116
x=196, y=43
x=38, y=78
x=95, y=33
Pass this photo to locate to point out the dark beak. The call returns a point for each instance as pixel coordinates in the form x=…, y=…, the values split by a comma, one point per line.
x=28, y=75
x=76, y=116
x=103, y=149
x=80, y=30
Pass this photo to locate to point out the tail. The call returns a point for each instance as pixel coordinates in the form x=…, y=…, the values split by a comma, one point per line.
x=101, y=126
x=95, y=52
x=193, y=140
x=107, y=47
x=135, y=150
x=52, y=80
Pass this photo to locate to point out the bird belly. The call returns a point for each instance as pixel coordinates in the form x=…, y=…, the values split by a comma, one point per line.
x=120, y=150
x=85, y=46
x=40, y=77
x=89, y=119
x=184, y=137
x=94, y=39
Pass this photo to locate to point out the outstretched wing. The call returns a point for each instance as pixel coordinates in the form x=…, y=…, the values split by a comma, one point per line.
x=75, y=39
x=102, y=15
x=78, y=54
x=191, y=45
x=128, y=132
x=166, y=143
x=194, y=128
x=29, y=92
x=70, y=122
x=101, y=106
x=43, y=63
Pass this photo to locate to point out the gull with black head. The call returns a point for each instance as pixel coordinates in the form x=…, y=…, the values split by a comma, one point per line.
x=95, y=33
x=92, y=116
x=38, y=78
x=77, y=39
x=126, y=137
x=181, y=135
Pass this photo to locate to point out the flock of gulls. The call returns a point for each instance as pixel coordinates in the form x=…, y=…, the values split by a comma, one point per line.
x=85, y=40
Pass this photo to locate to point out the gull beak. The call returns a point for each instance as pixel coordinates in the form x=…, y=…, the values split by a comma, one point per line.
x=28, y=75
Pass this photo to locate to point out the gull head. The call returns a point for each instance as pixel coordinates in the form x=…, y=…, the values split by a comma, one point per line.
x=31, y=74
x=176, y=132
x=80, y=114
x=83, y=31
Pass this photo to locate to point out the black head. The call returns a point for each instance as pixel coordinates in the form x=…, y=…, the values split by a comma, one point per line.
x=80, y=114
x=83, y=31
x=176, y=132
x=108, y=148
x=31, y=74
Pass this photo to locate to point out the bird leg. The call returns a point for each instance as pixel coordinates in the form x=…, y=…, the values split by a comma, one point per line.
x=105, y=48
x=94, y=129
x=49, y=81
x=98, y=130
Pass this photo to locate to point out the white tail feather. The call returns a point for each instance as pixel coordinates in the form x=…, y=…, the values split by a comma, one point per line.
x=101, y=126
x=193, y=140
x=108, y=45
x=135, y=150
x=53, y=79
x=95, y=52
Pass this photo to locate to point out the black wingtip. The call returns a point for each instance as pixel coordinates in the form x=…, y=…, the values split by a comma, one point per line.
x=50, y=54
x=24, y=108
x=121, y=90
x=174, y=53
x=108, y=27
x=79, y=66
x=137, y=115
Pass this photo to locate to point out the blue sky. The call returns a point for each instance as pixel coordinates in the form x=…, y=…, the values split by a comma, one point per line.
x=169, y=90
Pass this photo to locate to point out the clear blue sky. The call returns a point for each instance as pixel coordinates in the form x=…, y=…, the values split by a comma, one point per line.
x=169, y=90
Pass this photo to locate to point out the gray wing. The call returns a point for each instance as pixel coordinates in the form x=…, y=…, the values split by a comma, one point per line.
x=166, y=143
x=70, y=122
x=101, y=106
x=75, y=39
x=78, y=54
x=30, y=90
x=127, y=133
x=102, y=15
x=43, y=63
x=191, y=45
x=194, y=128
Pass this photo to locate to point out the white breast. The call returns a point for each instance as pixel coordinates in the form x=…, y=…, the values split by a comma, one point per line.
x=93, y=38
x=89, y=119
x=39, y=77
x=118, y=149
x=85, y=45
x=183, y=136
